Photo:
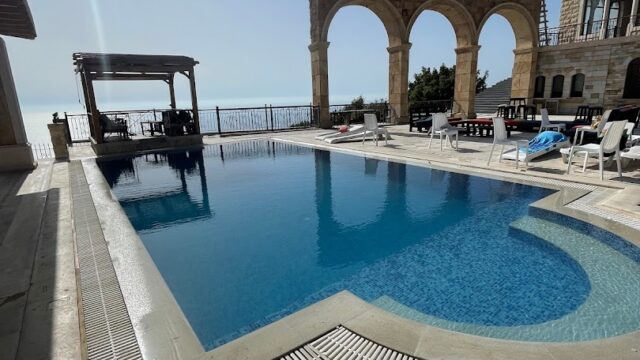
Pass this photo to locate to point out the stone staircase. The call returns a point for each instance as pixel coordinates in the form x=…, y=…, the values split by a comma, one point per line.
x=487, y=101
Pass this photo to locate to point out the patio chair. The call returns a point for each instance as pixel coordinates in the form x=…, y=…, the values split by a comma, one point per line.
x=610, y=144
x=500, y=137
x=546, y=124
x=371, y=128
x=442, y=128
x=118, y=126
x=581, y=130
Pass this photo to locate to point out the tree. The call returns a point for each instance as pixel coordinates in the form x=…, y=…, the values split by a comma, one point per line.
x=439, y=84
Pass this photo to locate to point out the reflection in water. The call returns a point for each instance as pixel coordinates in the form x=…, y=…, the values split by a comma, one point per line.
x=167, y=204
x=246, y=233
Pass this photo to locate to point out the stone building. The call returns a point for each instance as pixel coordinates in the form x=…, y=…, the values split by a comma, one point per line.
x=593, y=58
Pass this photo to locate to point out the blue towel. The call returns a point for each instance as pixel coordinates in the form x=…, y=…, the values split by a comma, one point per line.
x=545, y=140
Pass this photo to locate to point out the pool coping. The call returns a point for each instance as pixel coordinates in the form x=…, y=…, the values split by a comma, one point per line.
x=164, y=332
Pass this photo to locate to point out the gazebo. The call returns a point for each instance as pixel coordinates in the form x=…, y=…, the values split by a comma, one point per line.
x=97, y=67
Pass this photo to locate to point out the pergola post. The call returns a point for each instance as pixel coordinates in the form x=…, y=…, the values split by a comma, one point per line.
x=194, y=100
x=92, y=109
x=172, y=91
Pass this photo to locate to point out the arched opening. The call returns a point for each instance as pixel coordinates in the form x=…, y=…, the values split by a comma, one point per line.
x=538, y=91
x=525, y=29
x=433, y=43
x=557, y=86
x=577, y=85
x=449, y=15
x=632, y=80
x=358, y=63
x=497, y=57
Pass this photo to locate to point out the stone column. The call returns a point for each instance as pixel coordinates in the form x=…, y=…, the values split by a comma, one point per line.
x=320, y=81
x=464, y=98
x=15, y=151
x=523, y=76
x=399, y=83
x=634, y=16
x=605, y=19
x=58, y=133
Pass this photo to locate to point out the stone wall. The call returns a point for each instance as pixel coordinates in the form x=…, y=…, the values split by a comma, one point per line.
x=570, y=12
x=604, y=64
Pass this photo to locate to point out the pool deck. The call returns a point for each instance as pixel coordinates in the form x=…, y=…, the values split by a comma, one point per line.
x=39, y=298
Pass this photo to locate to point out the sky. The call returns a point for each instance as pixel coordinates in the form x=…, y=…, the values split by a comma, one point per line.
x=251, y=52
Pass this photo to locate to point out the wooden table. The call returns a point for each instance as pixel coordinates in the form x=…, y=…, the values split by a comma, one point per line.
x=154, y=126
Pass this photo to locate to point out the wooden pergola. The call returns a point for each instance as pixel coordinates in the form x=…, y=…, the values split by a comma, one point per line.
x=94, y=67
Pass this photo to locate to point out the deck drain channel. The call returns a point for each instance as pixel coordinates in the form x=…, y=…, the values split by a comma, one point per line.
x=342, y=343
x=108, y=330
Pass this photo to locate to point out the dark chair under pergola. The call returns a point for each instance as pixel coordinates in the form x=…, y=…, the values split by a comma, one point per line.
x=127, y=67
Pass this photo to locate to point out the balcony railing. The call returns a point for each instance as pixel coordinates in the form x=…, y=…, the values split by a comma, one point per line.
x=582, y=32
x=212, y=121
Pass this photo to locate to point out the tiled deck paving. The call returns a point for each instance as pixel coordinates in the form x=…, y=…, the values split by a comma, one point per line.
x=38, y=303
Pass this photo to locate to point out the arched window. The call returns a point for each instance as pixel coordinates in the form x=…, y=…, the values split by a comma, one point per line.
x=577, y=85
x=538, y=91
x=558, y=85
x=632, y=81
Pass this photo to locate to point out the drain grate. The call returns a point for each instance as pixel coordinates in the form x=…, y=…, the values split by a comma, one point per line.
x=587, y=204
x=107, y=326
x=342, y=343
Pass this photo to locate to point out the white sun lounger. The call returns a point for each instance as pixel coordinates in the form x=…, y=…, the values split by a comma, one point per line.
x=354, y=134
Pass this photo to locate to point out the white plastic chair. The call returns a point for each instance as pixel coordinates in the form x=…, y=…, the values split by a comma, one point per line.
x=440, y=126
x=500, y=137
x=547, y=124
x=588, y=129
x=371, y=127
x=610, y=144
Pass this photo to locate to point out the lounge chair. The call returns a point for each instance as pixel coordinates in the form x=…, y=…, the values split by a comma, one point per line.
x=371, y=129
x=442, y=128
x=580, y=131
x=610, y=144
x=543, y=143
x=118, y=126
x=547, y=124
x=354, y=133
x=500, y=137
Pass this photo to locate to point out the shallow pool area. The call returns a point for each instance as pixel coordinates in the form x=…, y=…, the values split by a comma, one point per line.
x=247, y=233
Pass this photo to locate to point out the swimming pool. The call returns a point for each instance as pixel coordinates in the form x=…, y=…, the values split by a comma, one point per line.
x=247, y=233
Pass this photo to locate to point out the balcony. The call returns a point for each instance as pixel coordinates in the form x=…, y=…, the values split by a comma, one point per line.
x=595, y=30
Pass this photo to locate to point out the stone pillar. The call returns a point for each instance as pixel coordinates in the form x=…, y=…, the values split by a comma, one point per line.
x=464, y=98
x=605, y=19
x=15, y=151
x=320, y=82
x=634, y=16
x=58, y=133
x=399, y=83
x=523, y=76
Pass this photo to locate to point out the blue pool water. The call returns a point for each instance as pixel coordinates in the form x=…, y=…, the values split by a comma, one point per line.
x=247, y=233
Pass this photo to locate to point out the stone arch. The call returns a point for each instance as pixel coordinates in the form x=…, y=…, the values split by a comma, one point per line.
x=459, y=17
x=383, y=9
x=525, y=29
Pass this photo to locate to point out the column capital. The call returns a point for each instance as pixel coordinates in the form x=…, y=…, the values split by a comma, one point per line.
x=467, y=49
x=525, y=51
x=319, y=45
x=399, y=48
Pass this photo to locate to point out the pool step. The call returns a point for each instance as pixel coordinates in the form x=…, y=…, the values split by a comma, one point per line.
x=342, y=343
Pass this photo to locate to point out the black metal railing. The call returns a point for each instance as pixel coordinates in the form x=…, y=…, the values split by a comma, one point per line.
x=350, y=114
x=42, y=151
x=592, y=30
x=212, y=121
